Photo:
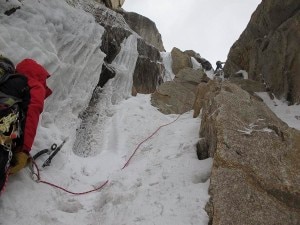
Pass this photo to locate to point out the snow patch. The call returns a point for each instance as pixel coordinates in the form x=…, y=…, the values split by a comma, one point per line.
x=244, y=73
x=287, y=113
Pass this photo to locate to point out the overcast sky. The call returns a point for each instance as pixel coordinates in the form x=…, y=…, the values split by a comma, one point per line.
x=209, y=27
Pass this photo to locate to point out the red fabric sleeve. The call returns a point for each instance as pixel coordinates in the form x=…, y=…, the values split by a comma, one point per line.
x=35, y=108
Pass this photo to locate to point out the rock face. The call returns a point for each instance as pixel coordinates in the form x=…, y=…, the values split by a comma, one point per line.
x=111, y=41
x=204, y=63
x=250, y=86
x=183, y=60
x=107, y=73
x=112, y=4
x=269, y=48
x=180, y=60
x=255, y=177
x=144, y=27
x=149, y=68
x=178, y=96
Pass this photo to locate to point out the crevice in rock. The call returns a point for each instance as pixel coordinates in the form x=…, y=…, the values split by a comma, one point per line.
x=277, y=131
x=202, y=149
x=291, y=200
x=111, y=42
x=107, y=73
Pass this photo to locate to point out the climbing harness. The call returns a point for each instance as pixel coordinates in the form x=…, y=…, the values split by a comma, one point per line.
x=219, y=75
x=9, y=130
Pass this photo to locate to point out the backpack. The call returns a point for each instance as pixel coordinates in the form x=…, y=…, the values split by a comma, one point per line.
x=9, y=107
x=10, y=123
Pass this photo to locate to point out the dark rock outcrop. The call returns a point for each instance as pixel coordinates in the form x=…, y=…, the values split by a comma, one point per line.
x=148, y=70
x=12, y=10
x=192, y=53
x=111, y=41
x=9, y=7
x=107, y=73
x=144, y=27
x=269, y=49
x=250, y=86
x=204, y=62
x=255, y=176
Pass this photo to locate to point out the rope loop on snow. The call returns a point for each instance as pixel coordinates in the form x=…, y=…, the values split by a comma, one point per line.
x=139, y=145
x=36, y=171
x=37, y=178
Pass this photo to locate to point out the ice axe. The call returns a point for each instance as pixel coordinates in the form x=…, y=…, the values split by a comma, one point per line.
x=52, y=151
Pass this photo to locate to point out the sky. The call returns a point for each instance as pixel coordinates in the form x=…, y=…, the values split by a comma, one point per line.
x=164, y=183
x=209, y=27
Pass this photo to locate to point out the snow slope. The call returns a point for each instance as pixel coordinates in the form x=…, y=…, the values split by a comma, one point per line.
x=164, y=182
x=290, y=114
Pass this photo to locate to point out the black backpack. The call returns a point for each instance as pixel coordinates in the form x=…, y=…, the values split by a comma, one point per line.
x=10, y=122
x=9, y=107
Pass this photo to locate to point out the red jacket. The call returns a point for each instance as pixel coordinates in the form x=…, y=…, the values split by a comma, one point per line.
x=39, y=91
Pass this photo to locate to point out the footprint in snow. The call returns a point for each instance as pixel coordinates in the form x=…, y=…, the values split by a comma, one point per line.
x=70, y=206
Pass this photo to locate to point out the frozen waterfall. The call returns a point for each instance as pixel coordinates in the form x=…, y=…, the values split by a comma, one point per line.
x=90, y=134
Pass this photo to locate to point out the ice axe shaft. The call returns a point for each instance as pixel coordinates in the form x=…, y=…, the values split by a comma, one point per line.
x=55, y=149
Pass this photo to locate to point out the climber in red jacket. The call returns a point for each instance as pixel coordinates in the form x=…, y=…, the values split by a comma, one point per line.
x=36, y=80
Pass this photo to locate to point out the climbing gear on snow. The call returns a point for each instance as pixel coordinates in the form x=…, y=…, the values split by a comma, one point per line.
x=36, y=177
x=54, y=149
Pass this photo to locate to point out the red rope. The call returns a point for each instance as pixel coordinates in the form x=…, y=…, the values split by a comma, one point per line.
x=39, y=180
x=37, y=173
x=139, y=145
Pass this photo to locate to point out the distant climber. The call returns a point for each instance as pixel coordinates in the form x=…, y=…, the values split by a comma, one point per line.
x=219, y=66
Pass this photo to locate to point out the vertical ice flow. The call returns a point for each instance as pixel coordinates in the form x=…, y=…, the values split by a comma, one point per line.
x=90, y=135
x=167, y=61
x=124, y=63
